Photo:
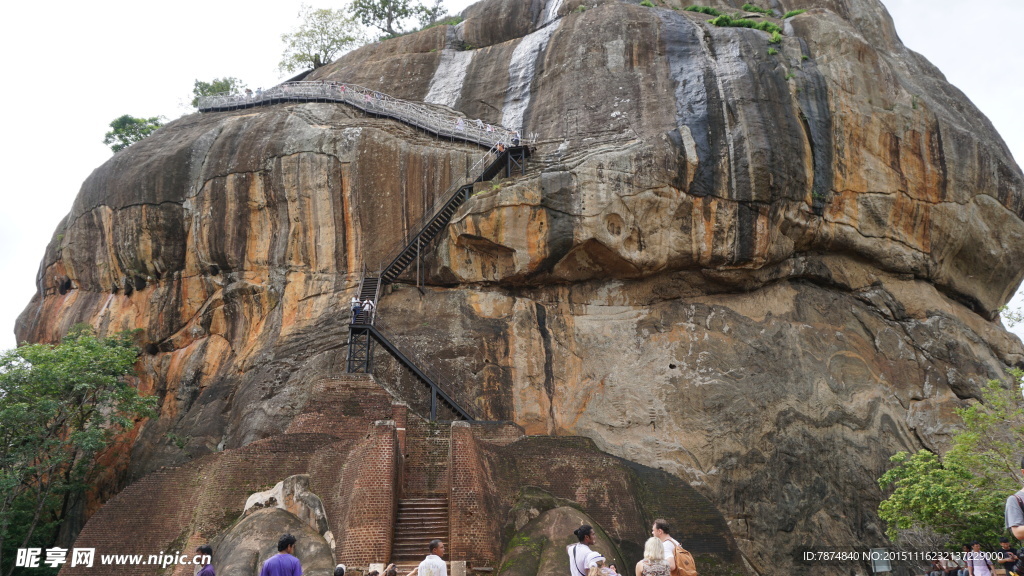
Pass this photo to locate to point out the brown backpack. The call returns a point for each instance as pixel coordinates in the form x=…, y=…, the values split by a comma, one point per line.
x=685, y=565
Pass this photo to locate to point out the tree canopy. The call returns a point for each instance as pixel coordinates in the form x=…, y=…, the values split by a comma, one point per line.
x=960, y=496
x=59, y=407
x=385, y=15
x=127, y=130
x=227, y=84
x=323, y=35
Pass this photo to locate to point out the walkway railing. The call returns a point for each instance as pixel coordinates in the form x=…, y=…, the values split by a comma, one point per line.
x=472, y=175
x=444, y=380
x=420, y=115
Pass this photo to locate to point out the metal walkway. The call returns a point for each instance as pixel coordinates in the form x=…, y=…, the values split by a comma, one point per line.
x=364, y=330
x=422, y=116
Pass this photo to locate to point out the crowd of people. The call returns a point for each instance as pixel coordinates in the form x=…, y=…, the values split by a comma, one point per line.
x=661, y=554
x=974, y=562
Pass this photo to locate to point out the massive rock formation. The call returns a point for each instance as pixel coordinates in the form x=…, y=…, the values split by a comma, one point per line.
x=762, y=268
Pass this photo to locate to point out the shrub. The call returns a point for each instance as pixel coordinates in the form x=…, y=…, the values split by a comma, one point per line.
x=647, y=3
x=758, y=9
x=792, y=13
x=790, y=75
x=775, y=39
x=728, y=21
x=704, y=10
x=805, y=57
x=772, y=51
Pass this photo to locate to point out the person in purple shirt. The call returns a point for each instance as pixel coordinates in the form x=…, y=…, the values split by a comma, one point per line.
x=207, y=553
x=284, y=563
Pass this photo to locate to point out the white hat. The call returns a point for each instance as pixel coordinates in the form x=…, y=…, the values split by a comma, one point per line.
x=592, y=558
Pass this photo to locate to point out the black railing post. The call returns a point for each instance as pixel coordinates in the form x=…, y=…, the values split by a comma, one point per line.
x=433, y=403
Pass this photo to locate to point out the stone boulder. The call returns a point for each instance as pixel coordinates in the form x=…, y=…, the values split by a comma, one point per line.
x=539, y=547
x=247, y=544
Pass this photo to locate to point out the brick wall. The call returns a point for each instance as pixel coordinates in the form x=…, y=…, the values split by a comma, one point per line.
x=367, y=531
x=427, y=451
x=472, y=533
x=351, y=463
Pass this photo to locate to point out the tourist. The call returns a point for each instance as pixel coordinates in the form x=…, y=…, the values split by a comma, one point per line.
x=433, y=565
x=1006, y=558
x=594, y=563
x=339, y=570
x=207, y=553
x=1015, y=511
x=578, y=552
x=357, y=307
x=368, y=308
x=977, y=561
x=660, y=530
x=284, y=563
x=653, y=563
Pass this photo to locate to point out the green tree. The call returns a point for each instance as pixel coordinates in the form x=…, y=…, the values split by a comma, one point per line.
x=59, y=407
x=322, y=35
x=433, y=13
x=127, y=130
x=228, y=84
x=961, y=495
x=385, y=15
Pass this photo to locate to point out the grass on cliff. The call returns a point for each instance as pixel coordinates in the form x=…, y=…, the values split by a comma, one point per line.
x=758, y=9
x=703, y=10
x=730, y=22
x=792, y=13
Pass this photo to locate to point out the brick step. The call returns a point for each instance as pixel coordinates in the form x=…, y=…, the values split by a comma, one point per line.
x=417, y=544
x=424, y=511
x=413, y=522
x=431, y=524
x=425, y=504
x=406, y=532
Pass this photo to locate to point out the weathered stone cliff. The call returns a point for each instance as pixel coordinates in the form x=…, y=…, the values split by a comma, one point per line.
x=762, y=272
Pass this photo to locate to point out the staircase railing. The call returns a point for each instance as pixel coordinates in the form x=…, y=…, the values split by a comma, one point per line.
x=438, y=380
x=416, y=114
x=473, y=174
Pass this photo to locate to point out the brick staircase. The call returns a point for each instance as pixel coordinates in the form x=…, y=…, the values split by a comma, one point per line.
x=423, y=509
x=419, y=520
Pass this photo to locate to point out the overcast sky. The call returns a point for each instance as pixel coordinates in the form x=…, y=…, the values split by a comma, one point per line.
x=72, y=67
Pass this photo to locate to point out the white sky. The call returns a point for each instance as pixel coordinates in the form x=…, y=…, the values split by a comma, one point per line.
x=72, y=67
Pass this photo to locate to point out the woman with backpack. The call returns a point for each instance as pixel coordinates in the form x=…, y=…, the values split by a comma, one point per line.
x=653, y=563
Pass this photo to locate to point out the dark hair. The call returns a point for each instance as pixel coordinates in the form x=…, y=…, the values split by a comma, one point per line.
x=583, y=531
x=339, y=570
x=205, y=550
x=1004, y=540
x=284, y=542
x=392, y=571
x=975, y=543
x=434, y=544
x=662, y=524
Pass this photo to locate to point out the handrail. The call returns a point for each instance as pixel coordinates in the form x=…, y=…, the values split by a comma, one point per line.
x=419, y=115
x=429, y=213
x=432, y=376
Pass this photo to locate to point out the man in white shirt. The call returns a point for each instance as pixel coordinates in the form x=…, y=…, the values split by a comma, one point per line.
x=433, y=565
x=660, y=530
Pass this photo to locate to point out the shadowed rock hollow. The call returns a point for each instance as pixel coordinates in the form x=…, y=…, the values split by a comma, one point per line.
x=763, y=273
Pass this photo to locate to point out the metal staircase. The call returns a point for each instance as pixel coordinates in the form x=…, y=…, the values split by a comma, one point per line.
x=364, y=331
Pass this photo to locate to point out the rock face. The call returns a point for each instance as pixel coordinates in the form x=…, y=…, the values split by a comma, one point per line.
x=244, y=548
x=761, y=268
